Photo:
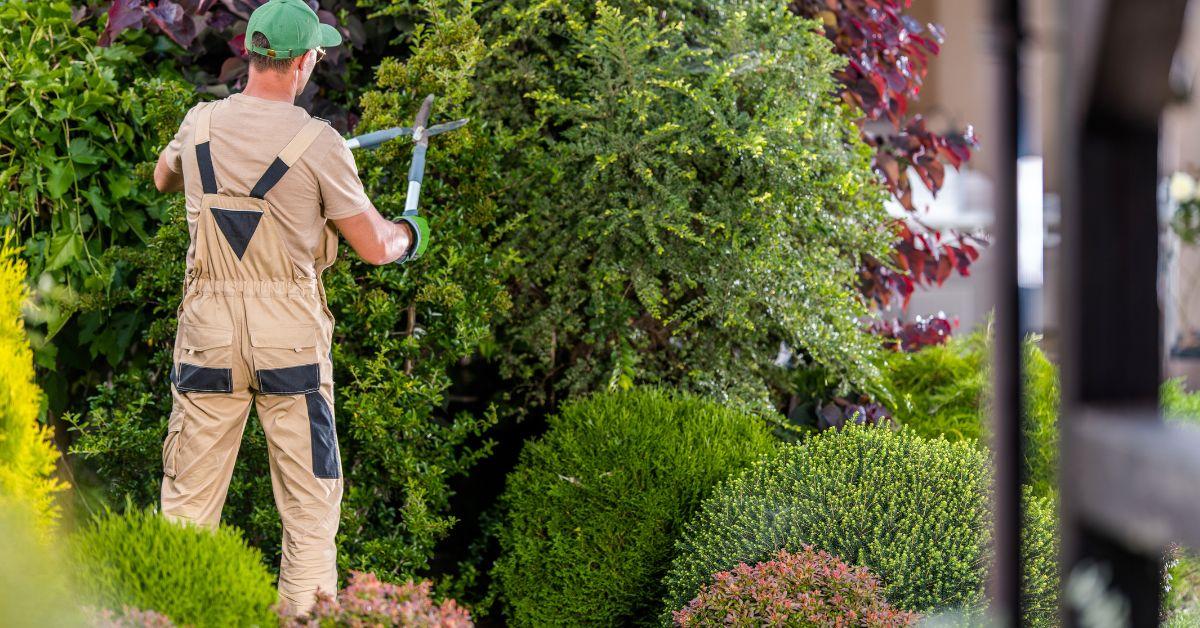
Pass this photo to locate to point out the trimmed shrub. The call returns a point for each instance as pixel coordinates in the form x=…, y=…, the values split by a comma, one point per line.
x=911, y=510
x=595, y=503
x=943, y=391
x=192, y=575
x=27, y=453
x=368, y=602
x=807, y=589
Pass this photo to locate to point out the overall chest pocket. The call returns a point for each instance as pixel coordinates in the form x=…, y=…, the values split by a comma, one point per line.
x=204, y=359
x=285, y=359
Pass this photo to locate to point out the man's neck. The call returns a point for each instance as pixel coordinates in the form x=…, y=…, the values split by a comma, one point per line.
x=271, y=86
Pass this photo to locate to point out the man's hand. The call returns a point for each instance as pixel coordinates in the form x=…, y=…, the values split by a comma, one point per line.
x=376, y=239
x=165, y=179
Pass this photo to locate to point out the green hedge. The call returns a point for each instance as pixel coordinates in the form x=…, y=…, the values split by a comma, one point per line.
x=912, y=510
x=595, y=503
x=193, y=575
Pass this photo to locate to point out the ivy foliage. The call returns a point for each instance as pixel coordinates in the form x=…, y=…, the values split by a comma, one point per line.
x=80, y=129
x=593, y=506
x=690, y=197
x=27, y=454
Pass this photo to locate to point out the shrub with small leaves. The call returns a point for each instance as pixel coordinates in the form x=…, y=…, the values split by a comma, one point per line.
x=914, y=511
x=368, y=602
x=192, y=575
x=809, y=588
x=594, y=505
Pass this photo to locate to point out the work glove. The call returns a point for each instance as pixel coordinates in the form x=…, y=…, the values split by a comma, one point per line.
x=420, y=229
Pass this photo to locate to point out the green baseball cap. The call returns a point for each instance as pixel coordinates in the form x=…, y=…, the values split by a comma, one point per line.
x=292, y=27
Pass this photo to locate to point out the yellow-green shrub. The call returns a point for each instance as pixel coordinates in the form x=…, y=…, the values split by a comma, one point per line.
x=27, y=455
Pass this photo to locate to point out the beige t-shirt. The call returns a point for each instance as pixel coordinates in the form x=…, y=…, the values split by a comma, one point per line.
x=246, y=134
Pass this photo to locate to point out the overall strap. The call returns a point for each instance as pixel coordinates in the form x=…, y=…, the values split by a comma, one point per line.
x=208, y=177
x=288, y=157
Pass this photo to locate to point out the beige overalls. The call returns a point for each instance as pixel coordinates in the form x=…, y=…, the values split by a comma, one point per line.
x=254, y=327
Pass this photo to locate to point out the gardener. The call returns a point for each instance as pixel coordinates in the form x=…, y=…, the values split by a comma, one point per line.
x=263, y=180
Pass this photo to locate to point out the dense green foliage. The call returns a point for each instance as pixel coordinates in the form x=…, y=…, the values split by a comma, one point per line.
x=27, y=453
x=805, y=589
x=693, y=197
x=79, y=129
x=193, y=575
x=943, y=391
x=594, y=505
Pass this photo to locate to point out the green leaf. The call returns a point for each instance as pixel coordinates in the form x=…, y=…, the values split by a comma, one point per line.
x=99, y=205
x=60, y=178
x=83, y=151
x=64, y=249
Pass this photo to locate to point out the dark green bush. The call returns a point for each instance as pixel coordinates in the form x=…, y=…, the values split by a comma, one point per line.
x=912, y=510
x=595, y=504
x=943, y=390
x=192, y=575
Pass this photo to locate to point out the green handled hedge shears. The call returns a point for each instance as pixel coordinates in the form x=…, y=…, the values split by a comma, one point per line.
x=416, y=171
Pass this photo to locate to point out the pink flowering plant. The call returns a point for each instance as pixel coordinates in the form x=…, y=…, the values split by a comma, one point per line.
x=802, y=589
x=367, y=601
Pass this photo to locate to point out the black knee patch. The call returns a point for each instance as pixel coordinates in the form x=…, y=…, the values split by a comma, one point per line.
x=325, y=459
x=291, y=380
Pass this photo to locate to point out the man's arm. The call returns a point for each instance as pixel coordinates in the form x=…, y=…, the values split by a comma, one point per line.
x=165, y=179
x=376, y=239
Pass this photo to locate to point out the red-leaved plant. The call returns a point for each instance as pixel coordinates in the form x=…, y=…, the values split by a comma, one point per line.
x=368, y=602
x=808, y=588
x=916, y=334
x=887, y=55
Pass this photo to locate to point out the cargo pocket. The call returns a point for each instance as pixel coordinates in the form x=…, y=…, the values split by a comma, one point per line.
x=205, y=359
x=285, y=359
x=170, y=447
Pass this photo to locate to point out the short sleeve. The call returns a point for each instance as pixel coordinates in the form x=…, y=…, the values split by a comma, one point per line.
x=342, y=193
x=173, y=153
